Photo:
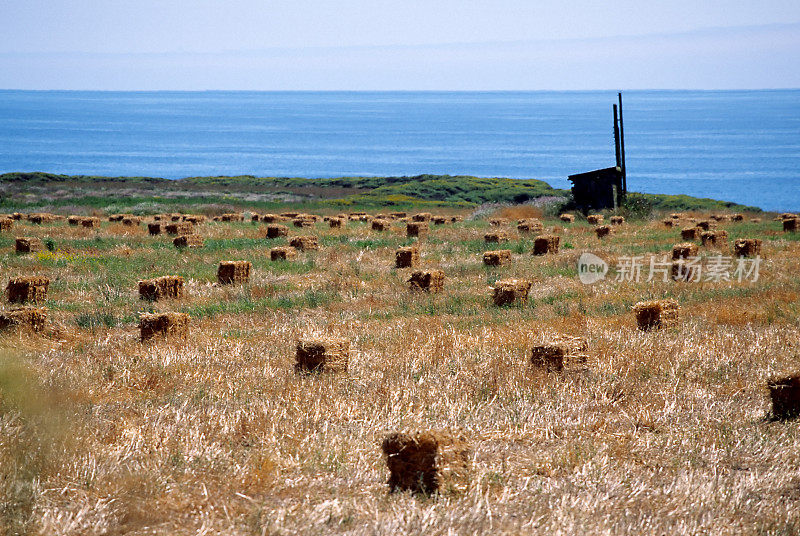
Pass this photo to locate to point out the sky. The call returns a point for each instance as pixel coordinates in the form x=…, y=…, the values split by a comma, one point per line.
x=399, y=45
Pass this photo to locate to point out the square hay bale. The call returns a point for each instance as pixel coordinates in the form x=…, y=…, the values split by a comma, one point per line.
x=255, y=217
x=677, y=215
x=131, y=221
x=509, y=291
x=116, y=218
x=163, y=325
x=567, y=218
x=16, y=216
x=706, y=225
x=154, y=228
x=747, y=247
x=175, y=217
x=336, y=223
x=737, y=217
x=560, y=353
x=322, y=355
x=684, y=250
x=656, y=314
x=36, y=218
x=684, y=271
x=194, y=218
x=304, y=243
x=617, y=220
x=90, y=223
x=439, y=220
x=302, y=222
x=181, y=228
x=397, y=215
x=233, y=272
x=530, y=225
x=456, y=219
x=422, y=216
x=277, y=231
x=690, y=233
x=188, y=241
x=714, y=238
x=233, y=216
x=785, y=395
x=282, y=253
x=602, y=231
x=427, y=462
x=290, y=215
x=668, y=223
x=23, y=318
x=381, y=225
x=406, y=257
x=544, y=244
x=28, y=245
x=29, y=289
x=790, y=225
x=417, y=228
x=497, y=258
x=427, y=280
x=271, y=218
x=497, y=222
x=595, y=219
x=164, y=287
x=787, y=216
x=496, y=237
x=74, y=220
x=6, y=224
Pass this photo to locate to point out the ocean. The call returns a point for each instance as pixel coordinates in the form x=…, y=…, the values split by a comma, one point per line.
x=741, y=146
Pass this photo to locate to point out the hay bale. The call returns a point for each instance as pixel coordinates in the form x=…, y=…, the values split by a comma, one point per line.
x=272, y=218
x=28, y=289
x=737, y=217
x=439, y=220
x=28, y=245
x=683, y=271
x=182, y=228
x=617, y=220
x=595, y=219
x=544, y=244
x=677, y=215
x=188, y=241
x=567, y=218
x=74, y=220
x=163, y=325
x=194, y=218
x=290, y=215
x=559, y=353
x=656, y=314
x=496, y=237
x=381, y=225
x=509, y=291
x=788, y=216
x=336, y=223
x=175, y=217
x=397, y=215
x=304, y=243
x=154, y=229
x=417, y=228
x=747, y=247
x=255, y=217
x=427, y=462
x=233, y=272
x=602, y=231
x=690, y=233
x=16, y=216
x=530, y=225
x=282, y=253
x=90, y=223
x=277, y=231
x=706, y=225
x=232, y=216
x=497, y=222
x=167, y=286
x=456, y=219
x=322, y=355
x=668, y=223
x=790, y=225
x=131, y=221
x=116, y=218
x=427, y=280
x=303, y=222
x=714, y=238
x=422, y=216
x=6, y=224
x=684, y=250
x=785, y=395
x=406, y=257
x=23, y=318
x=497, y=258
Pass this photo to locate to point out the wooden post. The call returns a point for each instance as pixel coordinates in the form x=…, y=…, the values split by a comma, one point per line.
x=622, y=148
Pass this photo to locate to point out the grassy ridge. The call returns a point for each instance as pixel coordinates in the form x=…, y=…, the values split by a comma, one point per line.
x=30, y=191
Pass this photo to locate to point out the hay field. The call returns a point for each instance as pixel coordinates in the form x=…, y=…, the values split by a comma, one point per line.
x=663, y=432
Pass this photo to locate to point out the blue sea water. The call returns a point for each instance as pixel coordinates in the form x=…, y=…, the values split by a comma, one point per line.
x=741, y=146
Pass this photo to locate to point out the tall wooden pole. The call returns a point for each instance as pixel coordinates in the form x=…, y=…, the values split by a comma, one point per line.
x=622, y=148
x=616, y=139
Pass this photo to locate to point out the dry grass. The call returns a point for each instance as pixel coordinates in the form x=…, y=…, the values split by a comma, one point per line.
x=667, y=432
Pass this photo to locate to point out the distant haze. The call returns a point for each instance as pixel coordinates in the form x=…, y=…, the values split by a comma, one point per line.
x=413, y=45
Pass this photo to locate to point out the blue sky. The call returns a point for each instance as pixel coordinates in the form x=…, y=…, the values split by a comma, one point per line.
x=445, y=45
